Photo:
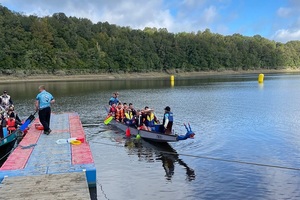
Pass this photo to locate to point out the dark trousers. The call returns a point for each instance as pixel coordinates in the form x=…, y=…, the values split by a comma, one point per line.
x=169, y=128
x=44, y=116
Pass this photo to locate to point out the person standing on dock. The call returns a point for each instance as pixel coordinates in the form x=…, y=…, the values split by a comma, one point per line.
x=43, y=106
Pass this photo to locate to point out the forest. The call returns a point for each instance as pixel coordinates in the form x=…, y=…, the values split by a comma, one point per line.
x=59, y=44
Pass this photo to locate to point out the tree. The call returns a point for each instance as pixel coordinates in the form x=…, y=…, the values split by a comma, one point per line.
x=58, y=42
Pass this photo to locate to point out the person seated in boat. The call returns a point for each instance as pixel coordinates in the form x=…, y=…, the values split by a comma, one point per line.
x=132, y=109
x=150, y=119
x=128, y=118
x=11, y=123
x=125, y=107
x=168, y=120
x=138, y=118
x=11, y=112
x=114, y=99
x=5, y=100
x=120, y=113
x=112, y=110
x=144, y=117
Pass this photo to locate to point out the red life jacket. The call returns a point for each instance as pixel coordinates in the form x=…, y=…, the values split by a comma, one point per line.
x=11, y=124
x=113, y=111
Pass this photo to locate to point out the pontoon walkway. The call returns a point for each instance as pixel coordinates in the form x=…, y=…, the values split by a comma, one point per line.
x=40, y=155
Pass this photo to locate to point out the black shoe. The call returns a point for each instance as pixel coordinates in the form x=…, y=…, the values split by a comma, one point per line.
x=49, y=130
x=46, y=132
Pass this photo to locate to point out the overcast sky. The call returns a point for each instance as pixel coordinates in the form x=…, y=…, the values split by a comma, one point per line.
x=277, y=20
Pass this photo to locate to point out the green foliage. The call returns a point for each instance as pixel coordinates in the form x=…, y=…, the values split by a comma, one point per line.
x=57, y=43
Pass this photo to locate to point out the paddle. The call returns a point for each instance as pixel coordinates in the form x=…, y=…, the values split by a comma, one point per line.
x=108, y=119
x=138, y=136
x=106, y=109
x=27, y=121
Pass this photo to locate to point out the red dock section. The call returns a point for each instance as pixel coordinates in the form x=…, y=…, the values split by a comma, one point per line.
x=81, y=154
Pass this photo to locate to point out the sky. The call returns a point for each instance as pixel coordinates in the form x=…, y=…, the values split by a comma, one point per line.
x=277, y=20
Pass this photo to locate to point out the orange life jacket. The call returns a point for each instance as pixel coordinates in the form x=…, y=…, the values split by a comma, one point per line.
x=120, y=114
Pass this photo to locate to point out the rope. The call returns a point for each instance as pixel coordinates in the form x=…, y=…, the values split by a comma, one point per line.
x=240, y=162
x=223, y=160
x=101, y=187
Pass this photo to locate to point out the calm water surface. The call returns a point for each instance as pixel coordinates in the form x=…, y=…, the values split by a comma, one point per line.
x=256, y=126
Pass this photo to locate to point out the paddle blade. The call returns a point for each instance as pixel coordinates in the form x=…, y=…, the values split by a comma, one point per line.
x=107, y=120
x=25, y=125
x=138, y=136
x=27, y=121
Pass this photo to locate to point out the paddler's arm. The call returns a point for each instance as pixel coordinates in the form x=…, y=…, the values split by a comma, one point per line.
x=37, y=105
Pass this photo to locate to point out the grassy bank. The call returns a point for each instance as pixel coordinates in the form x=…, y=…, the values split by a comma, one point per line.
x=132, y=76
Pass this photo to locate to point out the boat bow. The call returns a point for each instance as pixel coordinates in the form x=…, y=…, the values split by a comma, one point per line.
x=189, y=133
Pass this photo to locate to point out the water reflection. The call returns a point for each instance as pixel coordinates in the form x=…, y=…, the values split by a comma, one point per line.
x=150, y=152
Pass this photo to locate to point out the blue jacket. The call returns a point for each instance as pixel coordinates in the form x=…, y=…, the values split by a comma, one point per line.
x=114, y=100
x=168, y=117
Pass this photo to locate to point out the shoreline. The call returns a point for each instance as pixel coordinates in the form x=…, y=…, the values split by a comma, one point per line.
x=134, y=76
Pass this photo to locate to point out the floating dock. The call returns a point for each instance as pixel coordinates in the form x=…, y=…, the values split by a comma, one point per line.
x=42, y=155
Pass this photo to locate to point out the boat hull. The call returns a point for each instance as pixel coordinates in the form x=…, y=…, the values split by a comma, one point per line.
x=147, y=135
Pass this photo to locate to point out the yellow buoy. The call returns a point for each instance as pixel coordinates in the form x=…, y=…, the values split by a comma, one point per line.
x=261, y=78
x=172, y=83
x=75, y=142
x=172, y=78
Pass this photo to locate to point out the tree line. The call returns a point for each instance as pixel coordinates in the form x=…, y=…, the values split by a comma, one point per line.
x=60, y=44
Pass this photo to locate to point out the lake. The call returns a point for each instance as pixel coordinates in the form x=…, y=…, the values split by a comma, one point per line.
x=247, y=142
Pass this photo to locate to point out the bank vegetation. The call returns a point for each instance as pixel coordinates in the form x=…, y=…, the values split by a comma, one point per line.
x=61, y=45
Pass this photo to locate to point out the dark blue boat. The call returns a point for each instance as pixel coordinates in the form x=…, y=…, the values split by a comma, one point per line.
x=8, y=144
x=11, y=141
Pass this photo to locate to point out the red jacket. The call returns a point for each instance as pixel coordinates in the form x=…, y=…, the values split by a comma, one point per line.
x=11, y=124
